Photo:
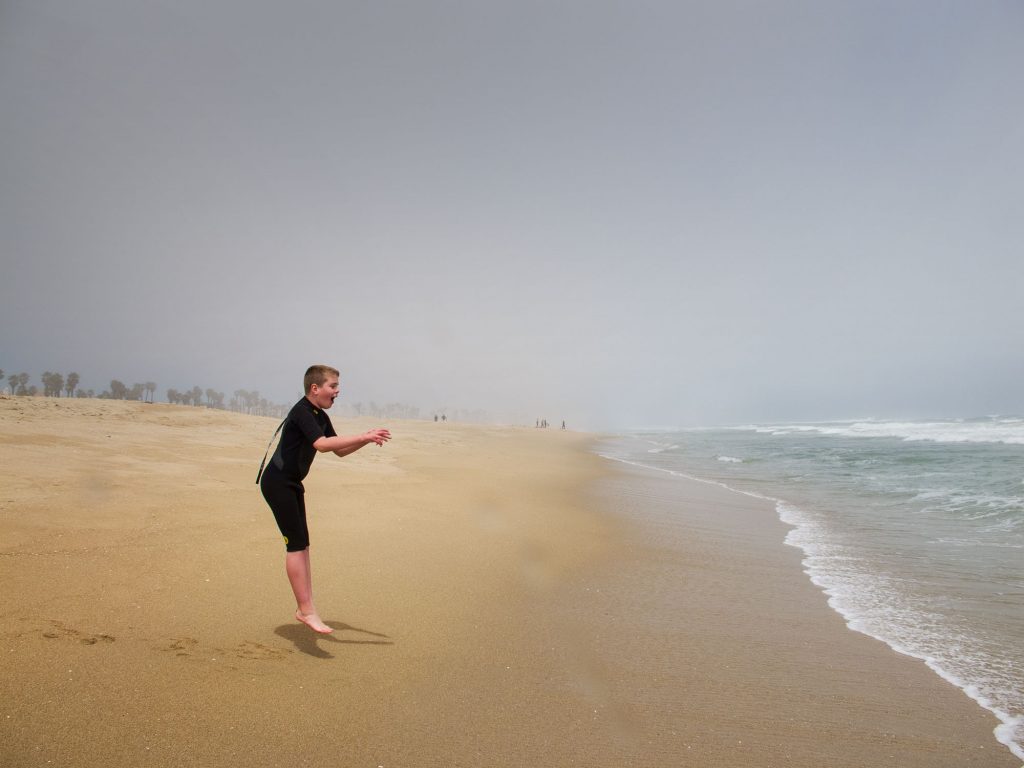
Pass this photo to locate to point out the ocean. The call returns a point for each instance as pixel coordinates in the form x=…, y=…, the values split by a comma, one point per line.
x=914, y=530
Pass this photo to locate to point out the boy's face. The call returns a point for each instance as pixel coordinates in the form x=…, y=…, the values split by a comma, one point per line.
x=323, y=395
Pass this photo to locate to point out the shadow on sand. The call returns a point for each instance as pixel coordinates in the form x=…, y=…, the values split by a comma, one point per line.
x=307, y=641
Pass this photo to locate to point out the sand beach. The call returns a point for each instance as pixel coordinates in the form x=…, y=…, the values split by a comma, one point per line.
x=501, y=597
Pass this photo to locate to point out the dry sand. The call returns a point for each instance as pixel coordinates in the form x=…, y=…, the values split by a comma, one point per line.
x=502, y=597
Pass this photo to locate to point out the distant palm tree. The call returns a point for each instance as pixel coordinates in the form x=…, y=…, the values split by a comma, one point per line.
x=150, y=390
x=71, y=383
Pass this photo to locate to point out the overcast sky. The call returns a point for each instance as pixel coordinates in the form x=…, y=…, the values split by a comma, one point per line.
x=617, y=213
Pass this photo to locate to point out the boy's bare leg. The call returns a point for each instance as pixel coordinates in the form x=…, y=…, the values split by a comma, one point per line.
x=300, y=576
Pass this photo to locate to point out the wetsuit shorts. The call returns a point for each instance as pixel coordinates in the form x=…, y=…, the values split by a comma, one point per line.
x=286, y=498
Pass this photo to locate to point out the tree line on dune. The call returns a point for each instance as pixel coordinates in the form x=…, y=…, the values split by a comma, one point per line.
x=242, y=401
x=58, y=385
x=53, y=385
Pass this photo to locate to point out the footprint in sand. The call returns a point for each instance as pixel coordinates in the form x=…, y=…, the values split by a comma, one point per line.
x=92, y=640
x=259, y=652
x=182, y=646
x=60, y=631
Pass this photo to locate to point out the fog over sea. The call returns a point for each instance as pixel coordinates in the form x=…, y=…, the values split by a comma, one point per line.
x=914, y=530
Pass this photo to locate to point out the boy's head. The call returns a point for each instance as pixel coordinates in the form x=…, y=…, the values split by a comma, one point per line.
x=318, y=374
x=321, y=384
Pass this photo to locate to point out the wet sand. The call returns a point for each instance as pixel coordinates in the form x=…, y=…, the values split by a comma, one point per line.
x=501, y=597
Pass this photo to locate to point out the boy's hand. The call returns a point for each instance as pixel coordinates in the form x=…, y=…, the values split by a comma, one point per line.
x=378, y=436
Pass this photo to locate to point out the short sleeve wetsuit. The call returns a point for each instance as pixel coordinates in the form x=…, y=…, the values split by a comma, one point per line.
x=281, y=482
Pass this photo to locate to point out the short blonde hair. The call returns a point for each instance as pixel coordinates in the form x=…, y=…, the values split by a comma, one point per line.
x=318, y=374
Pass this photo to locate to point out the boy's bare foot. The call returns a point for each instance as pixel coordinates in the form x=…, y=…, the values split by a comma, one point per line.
x=314, y=622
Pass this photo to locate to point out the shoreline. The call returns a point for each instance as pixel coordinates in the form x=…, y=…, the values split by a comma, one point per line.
x=795, y=522
x=501, y=596
x=899, y=710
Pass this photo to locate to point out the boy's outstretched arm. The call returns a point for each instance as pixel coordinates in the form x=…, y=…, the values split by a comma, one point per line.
x=344, y=445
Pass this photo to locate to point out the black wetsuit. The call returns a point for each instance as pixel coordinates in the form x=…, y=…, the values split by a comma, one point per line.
x=281, y=482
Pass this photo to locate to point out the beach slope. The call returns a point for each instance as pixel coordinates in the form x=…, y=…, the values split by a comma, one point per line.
x=494, y=601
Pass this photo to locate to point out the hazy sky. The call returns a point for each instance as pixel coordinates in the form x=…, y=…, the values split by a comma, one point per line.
x=618, y=213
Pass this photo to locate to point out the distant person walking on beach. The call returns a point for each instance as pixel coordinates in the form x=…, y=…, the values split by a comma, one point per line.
x=305, y=432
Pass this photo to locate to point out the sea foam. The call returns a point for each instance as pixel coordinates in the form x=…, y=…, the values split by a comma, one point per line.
x=872, y=515
x=1009, y=431
x=860, y=596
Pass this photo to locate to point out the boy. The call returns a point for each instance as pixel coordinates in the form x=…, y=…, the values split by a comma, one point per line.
x=306, y=431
